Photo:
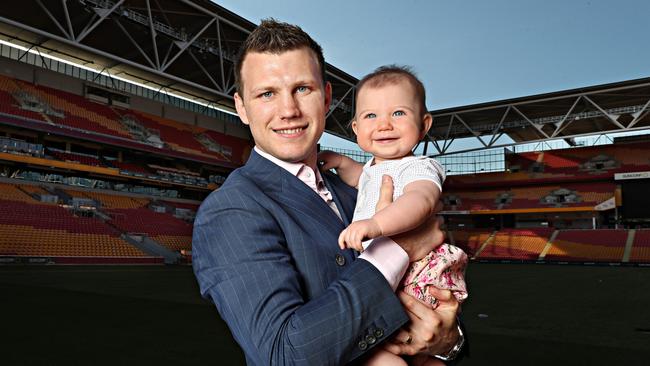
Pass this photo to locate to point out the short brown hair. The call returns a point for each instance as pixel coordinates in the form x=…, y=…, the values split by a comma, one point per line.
x=392, y=74
x=276, y=37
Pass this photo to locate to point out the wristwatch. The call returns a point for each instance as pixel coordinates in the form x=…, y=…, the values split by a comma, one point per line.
x=455, y=350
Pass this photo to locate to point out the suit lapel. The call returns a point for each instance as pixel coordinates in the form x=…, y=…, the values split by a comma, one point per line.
x=299, y=196
x=291, y=191
x=343, y=206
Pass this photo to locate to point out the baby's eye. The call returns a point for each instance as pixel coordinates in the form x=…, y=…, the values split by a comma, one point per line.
x=370, y=115
x=399, y=113
x=267, y=94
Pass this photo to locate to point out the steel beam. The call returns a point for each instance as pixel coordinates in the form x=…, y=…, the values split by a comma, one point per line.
x=223, y=78
x=137, y=46
x=113, y=57
x=332, y=108
x=54, y=20
x=71, y=35
x=539, y=129
x=544, y=140
x=186, y=44
x=503, y=118
x=559, y=127
x=153, y=37
x=89, y=28
x=639, y=115
x=617, y=123
x=207, y=74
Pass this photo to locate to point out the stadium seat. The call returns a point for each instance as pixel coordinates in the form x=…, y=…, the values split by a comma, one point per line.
x=641, y=247
x=605, y=245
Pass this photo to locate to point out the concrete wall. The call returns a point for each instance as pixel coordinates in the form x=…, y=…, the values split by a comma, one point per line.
x=59, y=81
x=16, y=70
x=180, y=115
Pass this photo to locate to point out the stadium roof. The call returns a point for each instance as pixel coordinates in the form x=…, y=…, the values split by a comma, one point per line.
x=607, y=108
x=183, y=46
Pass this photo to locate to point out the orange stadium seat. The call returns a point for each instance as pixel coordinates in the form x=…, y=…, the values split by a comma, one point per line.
x=588, y=245
x=77, y=158
x=524, y=244
x=79, y=112
x=104, y=121
x=470, y=240
x=29, y=227
x=641, y=247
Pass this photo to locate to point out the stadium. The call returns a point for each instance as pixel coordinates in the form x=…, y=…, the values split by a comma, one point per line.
x=117, y=120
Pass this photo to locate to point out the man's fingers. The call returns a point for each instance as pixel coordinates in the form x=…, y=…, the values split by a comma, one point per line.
x=385, y=193
x=440, y=294
x=393, y=348
x=400, y=348
x=342, y=240
x=415, y=309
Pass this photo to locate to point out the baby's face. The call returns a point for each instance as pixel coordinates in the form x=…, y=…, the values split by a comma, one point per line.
x=388, y=122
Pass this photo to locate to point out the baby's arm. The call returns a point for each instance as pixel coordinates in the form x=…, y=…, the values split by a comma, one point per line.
x=348, y=169
x=409, y=210
x=416, y=204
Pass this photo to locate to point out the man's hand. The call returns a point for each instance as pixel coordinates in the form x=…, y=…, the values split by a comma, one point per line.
x=357, y=232
x=430, y=332
x=418, y=242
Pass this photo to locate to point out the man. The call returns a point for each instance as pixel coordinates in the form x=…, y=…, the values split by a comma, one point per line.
x=265, y=244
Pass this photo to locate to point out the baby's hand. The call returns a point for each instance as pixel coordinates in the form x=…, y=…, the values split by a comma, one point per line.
x=328, y=160
x=357, y=232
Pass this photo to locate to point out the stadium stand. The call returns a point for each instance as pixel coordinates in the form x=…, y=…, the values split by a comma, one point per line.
x=562, y=165
x=60, y=108
x=641, y=247
x=75, y=157
x=470, y=240
x=130, y=167
x=9, y=105
x=110, y=200
x=530, y=197
x=588, y=245
x=183, y=205
x=29, y=227
x=173, y=232
x=517, y=244
x=77, y=111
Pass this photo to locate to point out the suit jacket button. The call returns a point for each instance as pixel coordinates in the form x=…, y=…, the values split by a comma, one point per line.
x=370, y=339
x=340, y=260
x=363, y=345
x=379, y=332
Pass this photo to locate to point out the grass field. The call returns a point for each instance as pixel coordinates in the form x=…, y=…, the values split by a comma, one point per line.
x=516, y=315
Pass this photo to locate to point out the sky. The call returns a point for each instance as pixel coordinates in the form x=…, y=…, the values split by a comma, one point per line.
x=474, y=51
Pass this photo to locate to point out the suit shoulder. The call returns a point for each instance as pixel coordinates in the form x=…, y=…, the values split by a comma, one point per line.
x=231, y=191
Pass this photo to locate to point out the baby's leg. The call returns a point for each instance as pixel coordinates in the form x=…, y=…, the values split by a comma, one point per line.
x=444, y=268
x=382, y=357
x=422, y=360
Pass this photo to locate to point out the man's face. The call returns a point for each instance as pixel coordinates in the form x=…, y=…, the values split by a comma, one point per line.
x=284, y=103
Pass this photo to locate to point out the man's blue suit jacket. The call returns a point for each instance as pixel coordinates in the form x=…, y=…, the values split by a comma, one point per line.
x=265, y=252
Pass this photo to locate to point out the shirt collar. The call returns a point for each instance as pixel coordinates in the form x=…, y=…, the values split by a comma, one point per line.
x=293, y=168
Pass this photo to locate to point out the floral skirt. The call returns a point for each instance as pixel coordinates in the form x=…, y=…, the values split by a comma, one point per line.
x=444, y=268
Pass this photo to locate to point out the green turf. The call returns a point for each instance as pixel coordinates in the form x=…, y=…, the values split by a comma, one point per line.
x=536, y=315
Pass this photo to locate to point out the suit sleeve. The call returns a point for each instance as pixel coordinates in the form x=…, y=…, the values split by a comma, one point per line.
x=242, y=264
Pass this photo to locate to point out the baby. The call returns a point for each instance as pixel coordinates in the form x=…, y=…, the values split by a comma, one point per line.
x=390, y=119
